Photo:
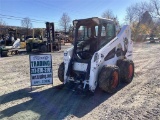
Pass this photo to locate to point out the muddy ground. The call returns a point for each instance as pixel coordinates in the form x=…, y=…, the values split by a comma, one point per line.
x=138, y=100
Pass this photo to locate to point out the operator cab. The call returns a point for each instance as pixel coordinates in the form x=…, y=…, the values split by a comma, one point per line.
x=91, y=35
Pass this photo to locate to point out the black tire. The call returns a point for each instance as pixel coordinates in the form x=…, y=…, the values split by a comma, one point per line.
x=28, y=48
x=43, y=48
x=109, y=79
x=61, y=72
x=126, y=70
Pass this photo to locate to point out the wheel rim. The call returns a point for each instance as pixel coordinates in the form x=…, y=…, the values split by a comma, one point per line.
x=130, y=71
x=115, y=79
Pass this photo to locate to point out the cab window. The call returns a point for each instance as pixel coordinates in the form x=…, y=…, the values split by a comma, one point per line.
x=107, y=33
x=110, y=31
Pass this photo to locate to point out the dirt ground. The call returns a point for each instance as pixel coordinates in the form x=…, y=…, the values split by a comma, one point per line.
x=138, y=100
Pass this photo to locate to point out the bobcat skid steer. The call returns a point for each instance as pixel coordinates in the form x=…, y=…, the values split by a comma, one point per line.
x=101, y=56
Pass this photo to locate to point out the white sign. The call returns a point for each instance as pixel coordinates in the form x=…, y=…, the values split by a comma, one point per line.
x=41, y=69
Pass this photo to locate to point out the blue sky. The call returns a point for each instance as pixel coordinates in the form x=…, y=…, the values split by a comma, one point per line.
x=52, y=10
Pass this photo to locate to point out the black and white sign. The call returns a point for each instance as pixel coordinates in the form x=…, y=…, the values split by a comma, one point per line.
x=41, y=69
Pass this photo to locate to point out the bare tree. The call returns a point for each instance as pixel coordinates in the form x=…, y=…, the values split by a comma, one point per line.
x=134, y=12
x=139, y=17
x=64, y=22
x=108, y=14
x=2, y=23
x=26, y=23
x=2, y=27
x=71, y=33
x=156, y=7
x=37, y=32
x=142, y=17
x=130, y=14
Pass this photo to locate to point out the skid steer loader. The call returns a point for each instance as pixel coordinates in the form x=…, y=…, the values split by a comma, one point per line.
x=101, y=56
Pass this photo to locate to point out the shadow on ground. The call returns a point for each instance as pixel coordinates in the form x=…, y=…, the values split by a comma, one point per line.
x=54, y=103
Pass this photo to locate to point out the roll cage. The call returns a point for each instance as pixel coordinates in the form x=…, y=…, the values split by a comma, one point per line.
x=91, y=35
